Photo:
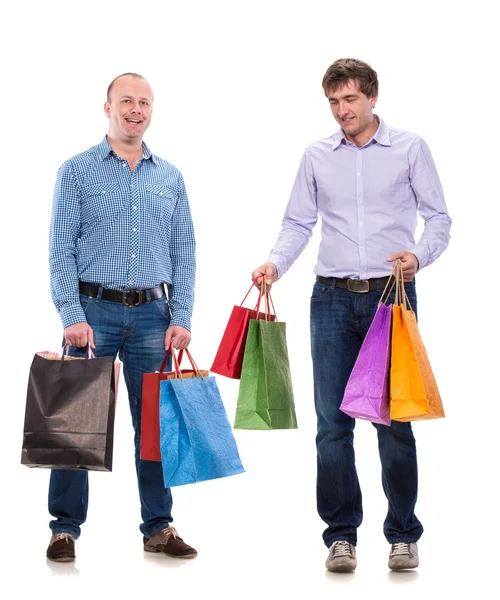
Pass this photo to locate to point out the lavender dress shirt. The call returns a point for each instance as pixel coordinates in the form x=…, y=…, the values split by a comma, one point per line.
x=368, y=199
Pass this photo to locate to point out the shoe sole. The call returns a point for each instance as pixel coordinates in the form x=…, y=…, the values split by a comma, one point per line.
x=155, y=551
x=62, y=559
x=341, y=569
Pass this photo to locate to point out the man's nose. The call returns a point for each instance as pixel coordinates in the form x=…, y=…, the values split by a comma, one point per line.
x=343, y=109
x=136, y=107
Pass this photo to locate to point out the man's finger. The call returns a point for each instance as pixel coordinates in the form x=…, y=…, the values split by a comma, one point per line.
x=257, y=281
x=168, y=339
x=91, y=338
x=179, y=342
x=395, y=256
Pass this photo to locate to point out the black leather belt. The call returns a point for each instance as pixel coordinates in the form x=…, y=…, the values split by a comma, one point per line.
x=127, y=298
x=358, y=286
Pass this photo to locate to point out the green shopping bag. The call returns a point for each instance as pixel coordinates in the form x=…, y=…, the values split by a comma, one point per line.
x=265, y=399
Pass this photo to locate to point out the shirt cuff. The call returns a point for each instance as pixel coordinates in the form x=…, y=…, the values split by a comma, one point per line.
x=280, y=264
x=72, y=314
x=181, y=318
x=422, y=256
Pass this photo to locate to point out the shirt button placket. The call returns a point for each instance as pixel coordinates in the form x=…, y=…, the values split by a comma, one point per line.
x=134, y=230
x=361, y=216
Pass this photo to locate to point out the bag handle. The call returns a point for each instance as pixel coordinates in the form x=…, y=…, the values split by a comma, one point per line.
x=177, y=370
x=163, y=364
x=403, y=298
x=193, y=364
x=247, y=294
x=387, y=290
x=268, y=303
x=268, y=298
x=177, y=359
x=400, y=297
x=65, y=350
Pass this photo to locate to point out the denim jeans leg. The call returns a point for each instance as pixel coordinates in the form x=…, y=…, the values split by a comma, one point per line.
x=143, y=352
x=69, y=489
x=335, y=344
x=398, y=456
x=68, y=500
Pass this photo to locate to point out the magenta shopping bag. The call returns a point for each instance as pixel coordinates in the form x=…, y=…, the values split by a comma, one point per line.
x=367, y=392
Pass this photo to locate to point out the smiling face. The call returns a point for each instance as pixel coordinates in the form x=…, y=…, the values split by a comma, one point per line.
x=353, y=111
x=129, y=108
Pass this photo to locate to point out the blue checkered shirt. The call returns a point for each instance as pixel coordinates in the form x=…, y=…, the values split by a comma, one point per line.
x=121, y=230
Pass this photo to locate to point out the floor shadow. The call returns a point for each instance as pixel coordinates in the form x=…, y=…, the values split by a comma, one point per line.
x=399, y=577
x=63, y=568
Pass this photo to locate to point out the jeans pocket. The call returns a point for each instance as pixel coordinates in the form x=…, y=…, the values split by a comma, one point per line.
x=86, y=303
x=319, y=290
x=163, y=307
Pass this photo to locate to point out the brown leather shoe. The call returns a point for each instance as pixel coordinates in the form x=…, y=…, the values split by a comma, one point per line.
x=169, y=542
x=61, y=548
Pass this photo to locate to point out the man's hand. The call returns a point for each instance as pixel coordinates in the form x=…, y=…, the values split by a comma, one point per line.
x=409, y=262
x=79, y=334
x=180, y=336
x=267, y=271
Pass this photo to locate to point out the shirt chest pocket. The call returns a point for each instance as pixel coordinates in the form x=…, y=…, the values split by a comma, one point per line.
x=160, y=201
x=101, y=202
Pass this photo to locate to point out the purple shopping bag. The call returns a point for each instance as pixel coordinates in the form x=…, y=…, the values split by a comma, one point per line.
x=367, y=392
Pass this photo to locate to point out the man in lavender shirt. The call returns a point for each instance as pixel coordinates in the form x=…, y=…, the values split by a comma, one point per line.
x=368, y=181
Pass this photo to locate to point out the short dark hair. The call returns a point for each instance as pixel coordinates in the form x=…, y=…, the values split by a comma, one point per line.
x=344, y=69
x=110, y=86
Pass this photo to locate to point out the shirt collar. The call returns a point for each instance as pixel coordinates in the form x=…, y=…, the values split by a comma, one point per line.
x=104, y=150
x=381, y=136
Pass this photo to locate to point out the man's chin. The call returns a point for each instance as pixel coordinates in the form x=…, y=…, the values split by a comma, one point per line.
x=133, y=135
x=353, y=131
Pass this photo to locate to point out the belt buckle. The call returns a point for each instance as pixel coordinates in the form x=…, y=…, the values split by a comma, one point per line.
x=126, y=299
x=358, y=286
x=127, y=302
x=140, y=297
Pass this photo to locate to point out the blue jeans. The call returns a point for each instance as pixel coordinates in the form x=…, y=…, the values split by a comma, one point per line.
x=340, y=320
x=137, y=335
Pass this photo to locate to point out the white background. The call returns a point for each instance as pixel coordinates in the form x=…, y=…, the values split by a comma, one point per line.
x=237, y=99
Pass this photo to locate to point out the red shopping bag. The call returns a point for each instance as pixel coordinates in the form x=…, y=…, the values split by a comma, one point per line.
x=150, y=423
x=229, y=358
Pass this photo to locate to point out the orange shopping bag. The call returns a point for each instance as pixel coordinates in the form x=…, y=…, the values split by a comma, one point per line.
x=414, y=392
x=408, y=399
x=436, y=410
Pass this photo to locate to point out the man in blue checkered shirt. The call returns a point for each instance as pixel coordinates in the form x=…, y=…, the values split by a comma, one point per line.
x=121, y=231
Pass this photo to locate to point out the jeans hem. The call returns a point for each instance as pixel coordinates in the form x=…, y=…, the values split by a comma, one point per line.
x=75, y=535
x=149, y=533
x=341, y=539
x=403, y=540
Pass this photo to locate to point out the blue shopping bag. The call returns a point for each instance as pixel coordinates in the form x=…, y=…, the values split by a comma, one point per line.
x=196, y=440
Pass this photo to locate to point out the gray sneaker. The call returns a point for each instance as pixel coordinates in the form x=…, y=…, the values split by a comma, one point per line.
x=403, y=556
x=342, y=557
